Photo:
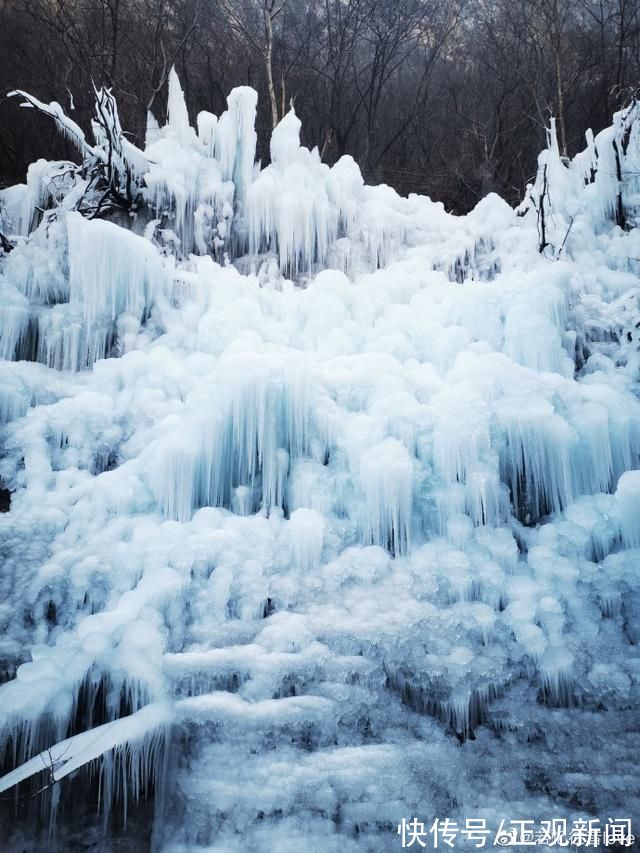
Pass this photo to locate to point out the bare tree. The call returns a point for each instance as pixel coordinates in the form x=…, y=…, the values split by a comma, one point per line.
x=262, y=42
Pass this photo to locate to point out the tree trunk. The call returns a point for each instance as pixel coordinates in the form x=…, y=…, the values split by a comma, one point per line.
x=268, y=61
x=561, y=125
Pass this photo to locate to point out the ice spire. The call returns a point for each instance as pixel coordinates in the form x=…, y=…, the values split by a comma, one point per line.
x=285, y=139
x=177, y=115
x=237, y=139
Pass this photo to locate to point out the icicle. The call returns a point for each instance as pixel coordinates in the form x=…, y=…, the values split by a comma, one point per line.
x=298, y=207
x=628, y=500
x=306, y=529
x=502, y=547
x=67, y=126
x=484, y=497
x=536, y=459
x=310, y=485
x=129, y=749
x=14, y=320
x=259, y=428
x=593, y=466
x=459, y=529
x=242, y=500
x=15, y=398
x=464, y=461
x=190, y=176
x=344, y=186
x=542, y=312
x=556, y=675
x=65, y=342
x=386, y=475
x=111, y=271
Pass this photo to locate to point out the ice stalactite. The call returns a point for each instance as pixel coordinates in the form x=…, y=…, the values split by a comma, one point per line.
x=111, y=272
x=177, y=114
x=549, y=458
x=237, y=139
x=288, y=207
x=256, y=427
x=307, y=529
x=207, y=129
x=69, y=129
x=386, y=473
x=556, y=675
x=14, y=321
x=48, y=184
x=129, y=752
x=66, y=342
x=463, y=714
x=542, y=348
x=628, y=499
x=311, y=214
x=152, y=129
x=197, y=180
x=82, y=291
x=615, y=175
x=536, y=459
x=115, y=165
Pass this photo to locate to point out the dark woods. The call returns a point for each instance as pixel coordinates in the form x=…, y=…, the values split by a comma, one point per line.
x=445, y=97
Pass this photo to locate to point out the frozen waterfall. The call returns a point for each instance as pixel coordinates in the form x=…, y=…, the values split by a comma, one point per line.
x=324, y=504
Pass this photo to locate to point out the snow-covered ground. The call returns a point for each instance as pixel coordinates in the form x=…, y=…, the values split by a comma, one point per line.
x=341, y=533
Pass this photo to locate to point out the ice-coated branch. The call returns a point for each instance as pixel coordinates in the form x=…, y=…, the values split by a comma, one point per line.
x=67, y=126
x=63, y=758
x=114, y=166
x=598, y=182
x=125, y=163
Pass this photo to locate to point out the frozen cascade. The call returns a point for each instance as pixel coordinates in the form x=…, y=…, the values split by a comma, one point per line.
x=84, y=288
x=262, y=419
x=110, y=273
x=194, y=179
x=285, y=564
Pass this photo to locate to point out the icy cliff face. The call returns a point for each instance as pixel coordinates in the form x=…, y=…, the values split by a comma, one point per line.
x=285, y=564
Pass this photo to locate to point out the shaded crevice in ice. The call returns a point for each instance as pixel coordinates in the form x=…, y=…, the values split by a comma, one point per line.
x=462, y=713
x=480, y=262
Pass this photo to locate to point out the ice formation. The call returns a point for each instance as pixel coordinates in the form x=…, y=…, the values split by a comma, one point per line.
x=324, y=503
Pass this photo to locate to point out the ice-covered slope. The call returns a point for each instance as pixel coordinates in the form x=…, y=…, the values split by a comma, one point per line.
x=288, y=561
